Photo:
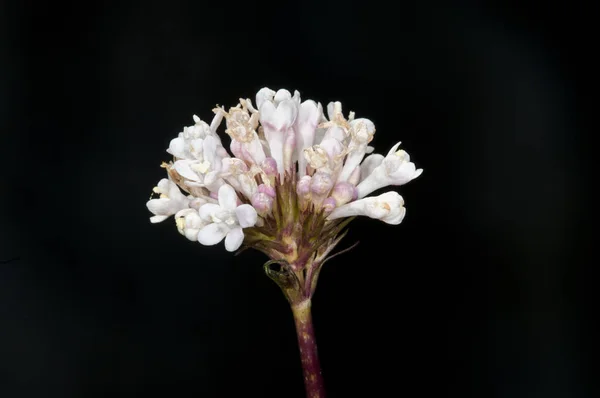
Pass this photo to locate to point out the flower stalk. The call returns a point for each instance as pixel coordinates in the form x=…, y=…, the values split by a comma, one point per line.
x=311, y=367
x=298, y=288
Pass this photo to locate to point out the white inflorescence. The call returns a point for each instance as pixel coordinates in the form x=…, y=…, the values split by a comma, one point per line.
x=280, y=138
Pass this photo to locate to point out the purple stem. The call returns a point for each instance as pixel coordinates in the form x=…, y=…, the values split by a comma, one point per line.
x=313, y=380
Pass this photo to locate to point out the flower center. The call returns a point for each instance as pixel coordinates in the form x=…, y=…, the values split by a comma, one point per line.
x=201, y=167
x=224, y=216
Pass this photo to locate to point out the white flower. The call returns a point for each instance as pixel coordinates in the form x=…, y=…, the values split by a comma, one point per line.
x=181, y=147
x=202, y=157
x=387, y=207
x=189, y=223
x=237, y=174
x=277, y=116
x=395, y=169
x=198, y=152
x=170, y=202
x=309, y=115
x=361, y=131
x=226, y=220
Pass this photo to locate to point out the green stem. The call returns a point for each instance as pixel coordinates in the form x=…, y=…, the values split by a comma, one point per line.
x=311, y=368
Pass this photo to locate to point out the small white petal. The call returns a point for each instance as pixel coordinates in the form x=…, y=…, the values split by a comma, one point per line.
x=175, y=193
x=279, y=118
x=264, y=94
x=397, y=219
x=160, y=207
x=246, y=215
x=332, y=147
x=267, y=111
x=369, y=164
x=282, y=95
x=211, y=177
x=255, y=150
x=212, y=234
x=331, y=109
x=336, y=133
x=227, y=197
x=164, y=185
x=183, y=168
x=287, y=111
x=248, y=185
x=319, y=134
x=207, y=210
x=177, y=147
x=157, y=219
x=191, y=234
x=197, y=145
x=210, y=150
x=376, y=209
x=394, y=148
x=216, y=122
x=234, y=239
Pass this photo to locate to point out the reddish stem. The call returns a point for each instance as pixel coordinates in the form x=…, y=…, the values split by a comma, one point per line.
x=313, y=380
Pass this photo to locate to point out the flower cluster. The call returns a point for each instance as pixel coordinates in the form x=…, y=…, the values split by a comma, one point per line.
x=295, y=179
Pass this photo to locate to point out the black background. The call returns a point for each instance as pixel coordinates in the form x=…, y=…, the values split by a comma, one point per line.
x=482, y=291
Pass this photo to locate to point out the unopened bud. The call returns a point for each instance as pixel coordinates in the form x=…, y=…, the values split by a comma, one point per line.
x=262, y=202
x=344, y=192
x=303, y=186
x=269, y=167
x=267, y=190
x=329, y=204
x=303, y=191
x=320, y=186
x=321, y=183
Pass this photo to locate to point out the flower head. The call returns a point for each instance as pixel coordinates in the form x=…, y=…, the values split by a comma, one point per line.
x=289, y=184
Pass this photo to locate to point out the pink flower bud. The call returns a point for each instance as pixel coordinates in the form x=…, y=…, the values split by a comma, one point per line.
x=269, y=167
x=266, y=189
x=329, y=205
x=321, y=183
x=344, y=192
x=262, y=202
x=303, y=186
